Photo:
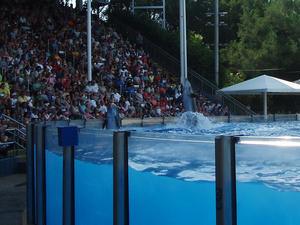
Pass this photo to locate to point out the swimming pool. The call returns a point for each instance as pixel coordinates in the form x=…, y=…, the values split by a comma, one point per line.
x=171, y=176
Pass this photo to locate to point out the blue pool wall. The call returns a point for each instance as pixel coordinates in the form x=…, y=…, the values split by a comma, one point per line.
x=153, y=199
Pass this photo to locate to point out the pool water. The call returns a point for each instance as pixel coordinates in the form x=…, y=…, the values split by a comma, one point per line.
x=196, y=123
x=171, y=175
x=164, y=200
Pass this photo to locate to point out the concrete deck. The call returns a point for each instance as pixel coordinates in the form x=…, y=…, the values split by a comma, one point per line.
x=12, y=199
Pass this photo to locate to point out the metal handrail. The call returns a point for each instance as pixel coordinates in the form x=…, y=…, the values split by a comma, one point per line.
x=173, y=65
x=17, y=132
x=7, y=143
x=16, y=129
x=13, y=120
x=21, y=146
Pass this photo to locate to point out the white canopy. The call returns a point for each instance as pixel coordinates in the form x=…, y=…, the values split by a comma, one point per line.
x=262, y=85
x=297, y=81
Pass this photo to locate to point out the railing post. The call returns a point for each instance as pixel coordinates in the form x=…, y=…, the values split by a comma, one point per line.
x=40, y=175
x=68, y=138
x=30, y=174
x=225, y=180
x=142, y=121
x=229, y=118
x=120, y=185
x=15, y=140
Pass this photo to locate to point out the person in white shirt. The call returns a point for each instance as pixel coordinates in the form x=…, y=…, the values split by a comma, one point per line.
x=95, y=87
x=92, y=101
x=89, y=87
x=123, y=70
x=29, y=99
x=13, y=100
x=103, y=108
x=117, y=96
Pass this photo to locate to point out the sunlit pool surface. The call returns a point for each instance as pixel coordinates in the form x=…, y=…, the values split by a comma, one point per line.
x=197, y=124
x=171, y=176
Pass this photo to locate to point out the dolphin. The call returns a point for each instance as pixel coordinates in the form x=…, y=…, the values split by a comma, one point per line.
x=188, y=97
x=112, y=120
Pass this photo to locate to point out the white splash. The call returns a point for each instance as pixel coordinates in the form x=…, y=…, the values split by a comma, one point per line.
x=194, y=121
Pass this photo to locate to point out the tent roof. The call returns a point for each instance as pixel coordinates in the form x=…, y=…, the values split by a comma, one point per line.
x=297, y=81
x=263, y=84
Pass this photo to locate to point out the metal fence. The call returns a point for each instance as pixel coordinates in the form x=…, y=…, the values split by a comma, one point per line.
x=12, y=158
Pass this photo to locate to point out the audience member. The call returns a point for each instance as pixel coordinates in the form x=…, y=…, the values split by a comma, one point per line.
x=43, y=69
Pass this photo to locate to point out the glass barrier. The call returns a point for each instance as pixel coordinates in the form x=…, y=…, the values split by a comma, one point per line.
x=171, y=179
x=93, y=177
x=268, y=182
x=54, y=177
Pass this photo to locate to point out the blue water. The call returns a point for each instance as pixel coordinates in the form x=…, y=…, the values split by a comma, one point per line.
x=160, y=200
x=93, y=192
x=54, y=176
x=201, y=125
x=171, y=175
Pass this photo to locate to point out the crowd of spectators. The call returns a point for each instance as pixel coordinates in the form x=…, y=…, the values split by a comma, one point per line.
x=43, y=64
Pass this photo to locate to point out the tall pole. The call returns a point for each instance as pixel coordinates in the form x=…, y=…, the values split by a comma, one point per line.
x=217, y=42
x=164, y=14
x=132, y=7
x=265, y=105
x=89, y=42
x=183, y=50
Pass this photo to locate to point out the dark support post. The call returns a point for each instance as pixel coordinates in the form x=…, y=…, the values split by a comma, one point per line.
x=121, y=196
x=225, y=180
x=68, y=138
x=40, y=176
x=229, y=119
x=30, y=174
x=68, y=187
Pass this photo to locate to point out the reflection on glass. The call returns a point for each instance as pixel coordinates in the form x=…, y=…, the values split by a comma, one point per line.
x=268, y=182
x=54, y=180
x=171, y=179
x=93, y=177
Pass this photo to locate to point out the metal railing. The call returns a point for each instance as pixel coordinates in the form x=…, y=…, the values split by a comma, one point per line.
x=172, y=64
x=18, y=133
x=12, y=151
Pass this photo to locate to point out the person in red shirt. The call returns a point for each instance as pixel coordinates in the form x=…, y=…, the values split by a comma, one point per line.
x=163, y=103
x=153, y=101
x=66, y=82
x=146, y=95
x=157, y=78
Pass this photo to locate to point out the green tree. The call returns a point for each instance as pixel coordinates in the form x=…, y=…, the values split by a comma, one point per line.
x=233, y=8
x=268, y=37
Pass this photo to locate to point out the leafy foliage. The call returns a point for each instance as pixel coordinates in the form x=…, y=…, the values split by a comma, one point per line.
x=267, y=38
x=200, y=56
